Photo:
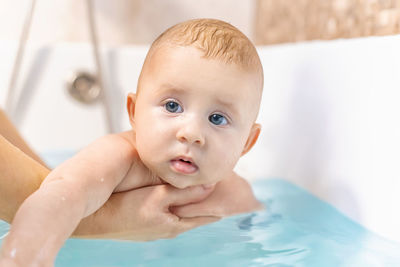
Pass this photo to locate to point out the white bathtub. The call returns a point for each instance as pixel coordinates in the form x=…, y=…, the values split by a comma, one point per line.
x=329, y=114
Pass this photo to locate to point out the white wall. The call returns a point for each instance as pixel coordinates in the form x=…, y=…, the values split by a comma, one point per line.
x=329, y=114
x=119, y=21
x=331, y=124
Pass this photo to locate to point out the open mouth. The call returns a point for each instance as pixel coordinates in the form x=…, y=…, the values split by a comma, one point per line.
x=183, y=165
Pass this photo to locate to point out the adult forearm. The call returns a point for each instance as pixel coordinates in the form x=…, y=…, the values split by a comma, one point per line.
x=20, y=176
x=10, y=132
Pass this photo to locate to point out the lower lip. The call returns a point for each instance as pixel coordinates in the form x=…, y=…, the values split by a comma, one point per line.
x=183, y=167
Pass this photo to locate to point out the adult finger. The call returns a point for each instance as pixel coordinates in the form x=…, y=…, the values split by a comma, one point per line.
x=187, y=195
x=195, y=210
x=186, y=224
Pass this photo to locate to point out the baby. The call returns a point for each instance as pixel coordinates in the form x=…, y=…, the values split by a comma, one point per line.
x=192, y=117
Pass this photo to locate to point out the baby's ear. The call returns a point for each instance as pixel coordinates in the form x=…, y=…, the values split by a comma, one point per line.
x=253, y=136
x=130, y=104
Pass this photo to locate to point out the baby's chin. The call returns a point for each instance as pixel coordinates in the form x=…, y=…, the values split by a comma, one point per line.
x=180, y=182
x=183, y=181
x=187, y=183
x=177, y=184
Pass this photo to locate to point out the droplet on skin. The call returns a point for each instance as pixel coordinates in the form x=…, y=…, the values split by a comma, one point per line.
x=63, y=198
x=13, y=252
x=102, y=180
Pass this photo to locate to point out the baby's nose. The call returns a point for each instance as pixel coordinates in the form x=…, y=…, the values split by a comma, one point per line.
x=191, y=133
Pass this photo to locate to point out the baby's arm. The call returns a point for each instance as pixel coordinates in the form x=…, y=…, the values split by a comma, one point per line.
x=69, y=193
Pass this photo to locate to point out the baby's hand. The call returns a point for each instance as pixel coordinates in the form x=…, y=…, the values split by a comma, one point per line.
x=231, y=196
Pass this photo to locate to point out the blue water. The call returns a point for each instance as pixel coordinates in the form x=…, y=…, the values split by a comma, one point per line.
x=296, y=229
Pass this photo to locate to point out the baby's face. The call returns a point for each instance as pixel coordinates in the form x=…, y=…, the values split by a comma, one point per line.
x=193, y=117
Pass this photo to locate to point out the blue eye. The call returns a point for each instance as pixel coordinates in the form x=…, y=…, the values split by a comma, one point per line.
x=218, y=119
x=173, y=107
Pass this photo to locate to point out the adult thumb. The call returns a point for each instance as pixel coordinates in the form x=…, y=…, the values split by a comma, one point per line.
x=192, y=194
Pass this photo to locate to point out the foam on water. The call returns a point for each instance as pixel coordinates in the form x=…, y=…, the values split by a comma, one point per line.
x=296, y=229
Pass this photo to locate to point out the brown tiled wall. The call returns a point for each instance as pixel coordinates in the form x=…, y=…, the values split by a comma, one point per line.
x=281, y=21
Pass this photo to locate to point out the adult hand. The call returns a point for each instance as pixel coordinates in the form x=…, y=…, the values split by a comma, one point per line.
x=231, y=196
x=144, y=214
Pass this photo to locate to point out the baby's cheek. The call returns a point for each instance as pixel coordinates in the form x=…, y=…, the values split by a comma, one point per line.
x=226, y=152
x=233, y=154
x=220, y=166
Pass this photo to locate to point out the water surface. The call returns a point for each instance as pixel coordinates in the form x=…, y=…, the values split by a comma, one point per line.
x=296, y=229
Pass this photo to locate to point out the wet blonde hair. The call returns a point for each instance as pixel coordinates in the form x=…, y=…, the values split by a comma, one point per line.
x=216, y=39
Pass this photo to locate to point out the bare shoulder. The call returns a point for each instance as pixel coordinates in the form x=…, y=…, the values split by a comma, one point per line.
x=122, y=142
x=237, y=182
x=235, y=178
x=241, y=192
x=138, y=175
x=128, y=137
x=123, y=139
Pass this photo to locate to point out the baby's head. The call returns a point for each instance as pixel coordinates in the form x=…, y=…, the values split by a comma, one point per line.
x=197, y=100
